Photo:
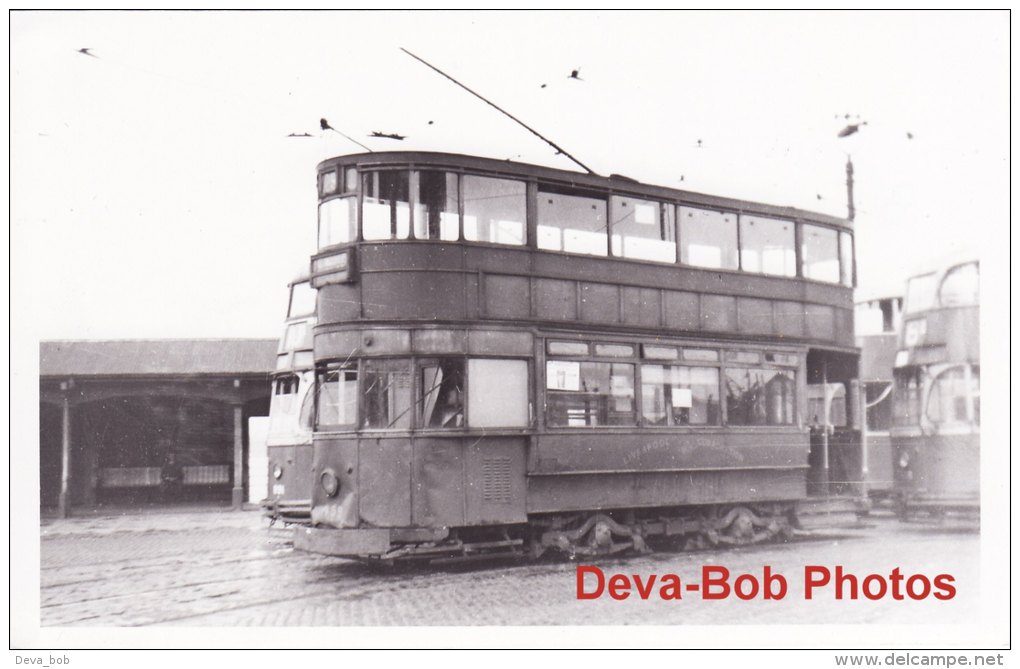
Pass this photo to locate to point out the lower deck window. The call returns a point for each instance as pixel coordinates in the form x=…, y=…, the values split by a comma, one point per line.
x=672, y=395
x=337, y=404
x=498, y=396
x=589, y=394
x=442, y=395
x=907, y=397
x=759, y=396
x=387, y=385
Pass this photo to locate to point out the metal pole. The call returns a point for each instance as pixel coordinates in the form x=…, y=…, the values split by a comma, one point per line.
x=237, y=494
x=65, y=467
x=825, y=428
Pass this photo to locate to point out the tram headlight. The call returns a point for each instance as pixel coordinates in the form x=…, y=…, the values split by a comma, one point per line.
x=329, y=482
x=904, y=460
x=277, y=472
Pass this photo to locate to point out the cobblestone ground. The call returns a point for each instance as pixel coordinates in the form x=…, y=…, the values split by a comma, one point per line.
x=231, y=569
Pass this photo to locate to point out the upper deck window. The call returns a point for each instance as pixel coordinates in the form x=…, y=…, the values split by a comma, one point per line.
x=302, y=300
x=572, y=222
x=920, y=293
x=819, y=252
x=960, y=286
x=642, y=229
x=436, y=211
x=337, y=221
x=846, y=258
x=708, y=238
x=495, y=210
x=295, y=335
x=386, y=208
x=767, y=246
x=327, y=183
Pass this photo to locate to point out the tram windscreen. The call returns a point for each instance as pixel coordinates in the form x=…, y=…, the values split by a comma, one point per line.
x=387, y=394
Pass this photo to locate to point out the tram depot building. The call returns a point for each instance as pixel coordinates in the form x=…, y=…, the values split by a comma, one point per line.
x=136, y=422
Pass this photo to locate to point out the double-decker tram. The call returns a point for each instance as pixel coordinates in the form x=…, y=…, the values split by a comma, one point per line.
x=289, y=439
x=937, y=398
x=513, y=358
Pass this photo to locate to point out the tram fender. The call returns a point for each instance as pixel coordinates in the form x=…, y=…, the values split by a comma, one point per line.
x=360, y=542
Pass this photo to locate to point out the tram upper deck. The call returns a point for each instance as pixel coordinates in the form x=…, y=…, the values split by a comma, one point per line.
x=433, y=237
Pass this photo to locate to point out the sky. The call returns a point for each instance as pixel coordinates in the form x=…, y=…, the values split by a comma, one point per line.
x=155, y=192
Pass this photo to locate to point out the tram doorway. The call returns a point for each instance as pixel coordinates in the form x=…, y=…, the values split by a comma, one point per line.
x=834, y=420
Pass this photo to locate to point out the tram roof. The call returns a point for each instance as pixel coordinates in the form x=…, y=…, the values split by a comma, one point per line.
x=614, y=182
x=157, y=357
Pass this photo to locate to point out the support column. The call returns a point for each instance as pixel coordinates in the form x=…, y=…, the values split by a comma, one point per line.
x=237, y=494
x=63, y=506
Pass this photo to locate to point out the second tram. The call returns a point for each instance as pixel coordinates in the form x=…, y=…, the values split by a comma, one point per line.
x=937, y=396
x=289, y=443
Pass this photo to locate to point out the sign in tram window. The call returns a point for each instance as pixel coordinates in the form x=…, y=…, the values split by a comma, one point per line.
x=642, y=229
x=385, y=205
x=437, y=212
x=572, y=222
x=673, y=395
x=759, y=396
x=708, y=238
x=819, y=252
x=442, y=394
x=337, y=221
x=498, y=395
x=495, y=210
x=337, y=397
x=589, y=394
x=387, y=394
x=767, y=246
